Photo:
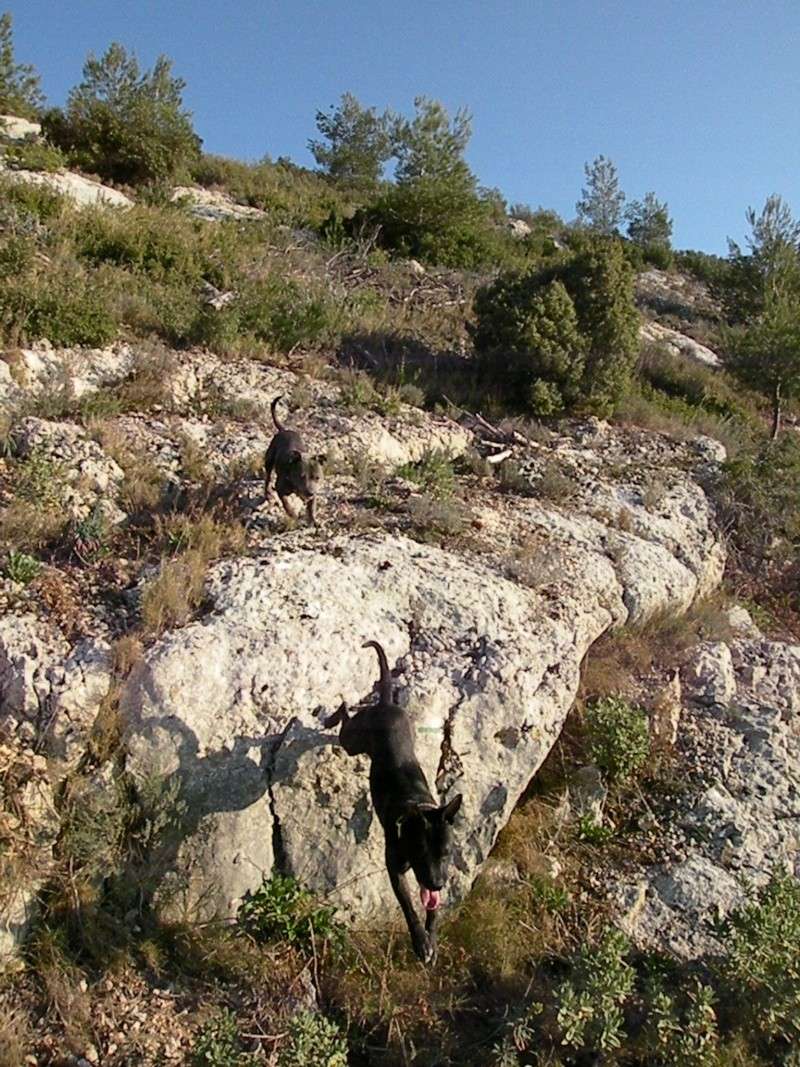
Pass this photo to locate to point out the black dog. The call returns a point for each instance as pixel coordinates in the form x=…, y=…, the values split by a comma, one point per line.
x=418, y=831
x=295, y=472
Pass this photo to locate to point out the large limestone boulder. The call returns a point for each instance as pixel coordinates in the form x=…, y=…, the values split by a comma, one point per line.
x=77, y=372
x=14, y=128
x=679, y=344
x=214, y=205
x=230, y=708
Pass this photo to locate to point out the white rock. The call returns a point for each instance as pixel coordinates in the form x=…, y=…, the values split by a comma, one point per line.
x=18, y=129
x=708, y=677
x=213, y=206
x=84, y=192
x=679, y=344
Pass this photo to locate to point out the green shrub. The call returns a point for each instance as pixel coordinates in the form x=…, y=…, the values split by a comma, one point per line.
x=124, y=124
x=20, y=88
x=528, y=338
x=314, y=1041
x=34, y=155
x=683, y=1034
x=37, y=202
x=161, y=243
x=568, y=332
x=282, y=910
x=761, y=967
x=433, y=473
x=590, y=1002
x=20, y=567
x=64, y=311
x=217, y=1043
x=618, y=738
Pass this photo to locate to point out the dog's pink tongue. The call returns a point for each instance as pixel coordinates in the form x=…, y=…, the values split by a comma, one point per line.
x=429, y=898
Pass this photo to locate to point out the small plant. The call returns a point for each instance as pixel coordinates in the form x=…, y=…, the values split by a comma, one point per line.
x=519, y=1036
x=436, y=518
x=35, y=156
x=22, y=568
x=314, y=1041
x=762, y=963
x=217, y=1043
x=282, y=910
x=689, y=1037
x=591, y=1001
x=593, y=832
x=618, y=737
x=433, y=473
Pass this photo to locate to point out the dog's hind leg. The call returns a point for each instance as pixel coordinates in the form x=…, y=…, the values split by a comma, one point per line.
x=424, y=946
x=341, y=714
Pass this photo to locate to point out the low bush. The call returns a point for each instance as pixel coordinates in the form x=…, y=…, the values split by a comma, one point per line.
x=618, y=738
x=282, y=910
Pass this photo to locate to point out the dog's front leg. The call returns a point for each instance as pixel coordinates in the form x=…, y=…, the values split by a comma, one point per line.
x=431, y=921
x=423, y=946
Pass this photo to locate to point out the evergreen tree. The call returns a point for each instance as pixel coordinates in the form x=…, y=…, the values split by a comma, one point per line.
x=649, y=224
x=357, y=144
x=600, y=206
x=125, y=124
x=20, y=88
x=772, y=257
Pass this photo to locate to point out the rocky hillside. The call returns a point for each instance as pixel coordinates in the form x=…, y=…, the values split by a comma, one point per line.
x=171, y=644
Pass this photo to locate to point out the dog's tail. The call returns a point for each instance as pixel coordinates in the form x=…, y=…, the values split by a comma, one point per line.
x=385, y=687
x=275, y=418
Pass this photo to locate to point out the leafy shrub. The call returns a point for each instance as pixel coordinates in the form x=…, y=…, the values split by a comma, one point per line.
x=689, y=1036
x=553, y=336
x=36, y=202
x=314, y=1041
x=34, y=155
x=590, y=1001
x=162, y=244
x=433, y=473
x=217, y=1043
x=761, y=967
x=124, y=124
x=61, y=310
x=282, y=910
x=618, y=737
x=20, y=567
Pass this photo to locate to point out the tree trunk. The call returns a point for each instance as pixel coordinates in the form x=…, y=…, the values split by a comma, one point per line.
x=776, y=410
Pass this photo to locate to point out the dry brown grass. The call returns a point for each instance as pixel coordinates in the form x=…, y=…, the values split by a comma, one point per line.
x=171, y=598
x=15, y=1035
x=30, y=527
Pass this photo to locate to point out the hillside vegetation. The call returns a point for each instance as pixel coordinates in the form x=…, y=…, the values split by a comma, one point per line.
x=409, y=296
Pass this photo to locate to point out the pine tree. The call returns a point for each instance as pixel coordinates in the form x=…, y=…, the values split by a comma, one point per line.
x=600, y=206
x=358, y=142
x=20, y=88
x=649, y=224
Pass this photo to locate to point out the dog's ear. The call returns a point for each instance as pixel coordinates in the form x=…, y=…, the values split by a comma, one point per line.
x=450, y=809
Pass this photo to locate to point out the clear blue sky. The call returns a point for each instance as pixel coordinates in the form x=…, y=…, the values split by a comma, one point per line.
x=698, y=100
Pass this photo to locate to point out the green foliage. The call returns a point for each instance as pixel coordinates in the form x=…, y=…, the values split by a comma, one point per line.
x=600, y=206
x=433, y=473
x=528, y=337
x=20, y=567
x=34, y=155
x=761, y=967
x=20, y=88
x=618, y=738
x=277, y=311
x=649, y=224
x=217, y=1043
x=59, y=310
x=314, y=1041
x=282, y=910
x=34, y=202
x=433, y=210
x=561, y=334
x=124, y=124
x=359, y=142
x=590, y=1001
x=601, y=283
x=689, y=1036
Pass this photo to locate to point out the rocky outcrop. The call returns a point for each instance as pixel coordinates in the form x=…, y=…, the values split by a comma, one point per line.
x=741, y=728
x=83, y=192
x=230, y=707
x=14, y=128
x=670, y=292
x=214, y=205
x=50, y=692
x=679, y=344
x=27, y=372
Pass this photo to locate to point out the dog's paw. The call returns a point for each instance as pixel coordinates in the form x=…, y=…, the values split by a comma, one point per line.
x=425, y=947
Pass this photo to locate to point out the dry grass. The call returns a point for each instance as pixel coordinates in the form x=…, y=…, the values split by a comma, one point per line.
x=15, y=1035
x=171, y=598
